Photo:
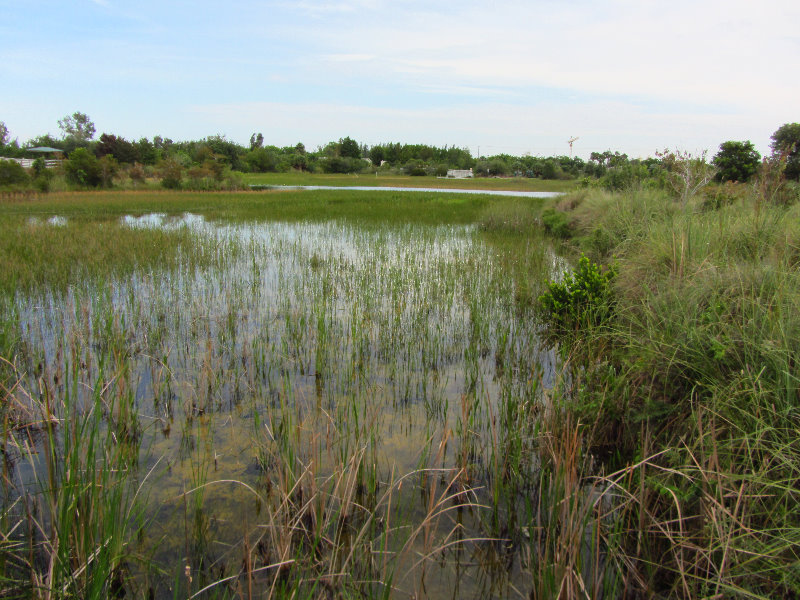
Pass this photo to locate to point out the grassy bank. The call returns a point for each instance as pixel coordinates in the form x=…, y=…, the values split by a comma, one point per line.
x=687, y=384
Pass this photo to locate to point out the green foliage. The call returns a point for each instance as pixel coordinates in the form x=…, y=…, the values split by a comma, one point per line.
x=736, y=161
x=261, y=160
x=12, y=173
x=628, y=175
x=349, y=148
x=415, y=168
x=39, y=167
x=118, y=147
x=582, y=299
x=78, y=127
x=786, y=141
x=4, y=135
x=83, y=168
x=256, y=141
x=498, y=167
x=556, y=223
x=171, y=174
x=550, y=170
x=340, y=164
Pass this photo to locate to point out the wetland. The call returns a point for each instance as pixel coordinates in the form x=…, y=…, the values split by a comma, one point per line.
x=257, y=406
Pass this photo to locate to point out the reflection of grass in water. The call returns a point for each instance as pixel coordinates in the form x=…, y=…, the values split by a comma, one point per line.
x=335, y=343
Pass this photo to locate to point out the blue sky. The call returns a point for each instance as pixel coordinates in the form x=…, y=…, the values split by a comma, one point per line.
x=506, y=76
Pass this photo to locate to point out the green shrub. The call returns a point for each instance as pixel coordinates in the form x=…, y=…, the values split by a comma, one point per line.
x=556, y=223
x=171, y=174
x=582, y=299
x=83, y=168
x=12, y=173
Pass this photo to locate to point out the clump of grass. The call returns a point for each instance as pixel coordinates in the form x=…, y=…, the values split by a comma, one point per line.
x=510, y=216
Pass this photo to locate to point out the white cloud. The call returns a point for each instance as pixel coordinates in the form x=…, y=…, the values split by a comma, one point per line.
x=349, y=58
x=724, y=53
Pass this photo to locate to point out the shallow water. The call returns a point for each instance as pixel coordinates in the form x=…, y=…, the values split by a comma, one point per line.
x=366, y=188
x=317, y=353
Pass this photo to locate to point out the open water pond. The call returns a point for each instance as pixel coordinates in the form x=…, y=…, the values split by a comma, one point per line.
x=327, y=410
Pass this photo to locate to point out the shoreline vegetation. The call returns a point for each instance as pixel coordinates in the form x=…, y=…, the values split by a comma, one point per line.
x=343, y=394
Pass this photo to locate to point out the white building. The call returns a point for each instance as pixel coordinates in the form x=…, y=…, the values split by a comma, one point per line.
x=459, y=173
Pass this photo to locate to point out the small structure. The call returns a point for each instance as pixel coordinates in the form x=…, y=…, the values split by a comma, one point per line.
x=459, y=173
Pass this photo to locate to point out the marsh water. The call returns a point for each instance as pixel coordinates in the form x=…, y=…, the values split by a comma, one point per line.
x=367, y=188
x=355, y=403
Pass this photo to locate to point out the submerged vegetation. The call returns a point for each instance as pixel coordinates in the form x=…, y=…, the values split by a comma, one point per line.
x=349, y=394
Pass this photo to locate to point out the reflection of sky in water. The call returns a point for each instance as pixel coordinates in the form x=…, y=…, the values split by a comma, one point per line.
x=55, y=221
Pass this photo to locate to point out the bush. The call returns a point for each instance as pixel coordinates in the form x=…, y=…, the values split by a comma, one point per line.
x=12, y=173
x=83, y=168
x=171, y=174
x=137, y=174
x=582, y=299
x=556, y=223
x=415, y=168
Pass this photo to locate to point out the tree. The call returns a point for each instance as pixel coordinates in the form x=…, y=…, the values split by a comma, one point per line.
x=686, y=173
x=349, y=148
x=120, y=148
x=4, y=135
x=256, y=141
x=736, y=161
x=786, y=142
x=78, y=126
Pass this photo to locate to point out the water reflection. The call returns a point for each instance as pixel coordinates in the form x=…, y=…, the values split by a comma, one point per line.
x=324, y=353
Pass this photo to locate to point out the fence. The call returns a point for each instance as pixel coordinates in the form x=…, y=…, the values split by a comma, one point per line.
x=28, y=162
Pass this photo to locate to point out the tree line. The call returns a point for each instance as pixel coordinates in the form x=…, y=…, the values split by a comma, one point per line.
x=216, y=162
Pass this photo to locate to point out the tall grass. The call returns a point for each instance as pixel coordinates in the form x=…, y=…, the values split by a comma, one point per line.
x=698, y=373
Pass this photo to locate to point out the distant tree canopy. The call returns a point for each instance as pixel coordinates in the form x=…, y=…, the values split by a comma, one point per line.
x=78, y=127
x=118, y=147
x=786, y=141
x=256, y=141
x=214, y=158
x=349, y=148
x=736, y=161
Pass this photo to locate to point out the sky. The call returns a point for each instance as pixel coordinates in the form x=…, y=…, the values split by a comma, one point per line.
x=511, y=77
